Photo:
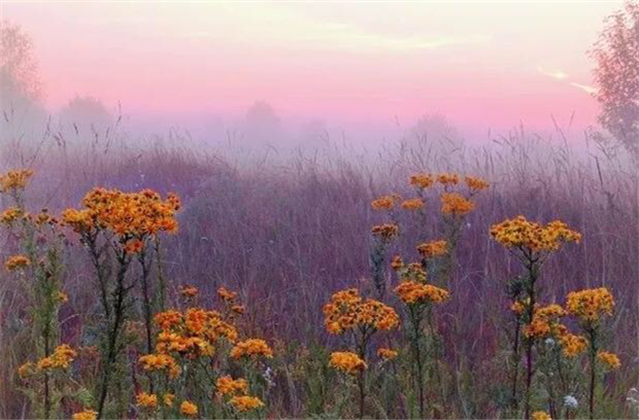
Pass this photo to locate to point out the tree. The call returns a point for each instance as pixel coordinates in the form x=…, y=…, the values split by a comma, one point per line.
x=19, y=76
x=86, y=113
x=616, y=76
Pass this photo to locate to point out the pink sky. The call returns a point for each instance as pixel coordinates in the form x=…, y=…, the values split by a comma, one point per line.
x=483, y=64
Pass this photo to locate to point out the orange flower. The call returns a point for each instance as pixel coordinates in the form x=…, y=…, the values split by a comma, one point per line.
x=252, y=349
x=16, y=262
x=347, y=362
x=456, y=205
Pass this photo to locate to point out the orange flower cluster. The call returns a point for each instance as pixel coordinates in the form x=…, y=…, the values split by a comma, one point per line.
x=16, y=262
x=348, y=310
x=413, y=204
x=386, y=231
x=386, y=202
x=610, y=360
x=347, y=362
x=189, y=409
x=448, y=179
x=11, y=215
x=229, y=386
x=413, y=271
x=15, y=180
x=544, y=322
x=412, y=292
x=131, y=216
x=252, y=349
x=591, y=304
x=146, y=401
x=189, y=291
x=226, y=295
x=60, y=359
x=387, y=354
x=244, y=403
x=572, y=344
x=85, y=415
x=476, y=184
x=521, y=233
x=421, y=181
x=541, y=415
x=433, y=249
x=196, y=333
x=397, y=263
x=456, y=205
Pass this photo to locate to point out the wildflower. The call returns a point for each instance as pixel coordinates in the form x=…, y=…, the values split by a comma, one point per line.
x=385, y=231
x=245, y=403
x=433, y=249
x=386, y=202
x=590, y=304
x=610, y=360
x=387, y=354
x=168, y=399
x=61, y=358
x=397, y=263
x=570, y=401
x=152, y=362
x=518, y=307
x=476, y=184
x=348, y=310
x=541, y=415
x=85, y=415
x=252, y=348
x=189, y=291
x=10, y=215
x=167, y=320
x=415, y=272
x=544, y=321
x=347, y=362
x=16, y=262
x=413, y=204
x=148, y=401
x=456, y=205
x=133, y=246
x=238, y=309
x=521, y=233
x=62, y=297
x=226, y=295
x=188, y=409
x=26, y=370
x=421, y=181
x=572, y=345
x=15, y=180
x=411, y=292
x=448, y=179
x=229, y=386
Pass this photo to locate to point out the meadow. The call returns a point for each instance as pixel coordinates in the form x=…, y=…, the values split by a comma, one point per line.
x=166, y=282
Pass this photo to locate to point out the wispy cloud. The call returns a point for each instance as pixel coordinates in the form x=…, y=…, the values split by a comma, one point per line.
x=588, y=89
x=556, y=74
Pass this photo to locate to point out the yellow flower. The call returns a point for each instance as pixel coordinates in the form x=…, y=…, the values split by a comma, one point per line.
x=188, y=291
x=433, y=249
x=252, y=348
x=347, y=362
x=591, y=304
x=348, y=310
x=572, y=345
x=226, y=295
x=386, y=231
x=476, y=184
x=455, y=204
x=386, y=202
x=609, y=359
x=412, y=292
x=16, y=262
x=62, y=297
x=168, y=399
x=521, y=233
x=229, y=386
x=245, y=403
x=61, y=358
x=541, y=415
x=413, y=204
x=15, y=180
x=85, y=415
x=148, y=401
x=188, y=409
x=10, y=215
x=397, y=263
x=544, y=321
x=387, y=354
x=421, y=181
x=26, y=370
x=151, y=362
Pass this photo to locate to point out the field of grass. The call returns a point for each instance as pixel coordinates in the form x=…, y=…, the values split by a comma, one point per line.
x=159, y=302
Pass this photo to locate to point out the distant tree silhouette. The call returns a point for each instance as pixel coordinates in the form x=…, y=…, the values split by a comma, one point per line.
x=85, y=114
x=616, y=76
